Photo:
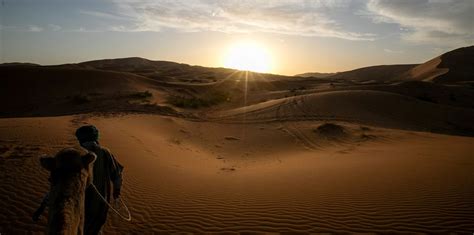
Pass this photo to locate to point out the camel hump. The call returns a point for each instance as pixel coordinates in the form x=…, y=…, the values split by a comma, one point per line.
x=69, y=151
x=69, y=159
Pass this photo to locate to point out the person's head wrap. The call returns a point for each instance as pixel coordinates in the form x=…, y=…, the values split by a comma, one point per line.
x=87, y=134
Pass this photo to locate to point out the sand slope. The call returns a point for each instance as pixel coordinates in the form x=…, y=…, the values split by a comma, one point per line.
x=378, y=73
x=368, y=107
x=428, y=71
x=454, y=66
x=56, y=90
x=450, y=67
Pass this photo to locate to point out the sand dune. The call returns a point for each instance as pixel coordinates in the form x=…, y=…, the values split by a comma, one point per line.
x=427, y=71
x=45, y=91
x=458, y=96
x=160, y=70
x=378, y=73
x=368, y=107
x=453, y=66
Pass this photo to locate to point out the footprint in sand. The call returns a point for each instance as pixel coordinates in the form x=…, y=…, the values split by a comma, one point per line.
x=228, y=169
x=18, y=152
x=4, y=149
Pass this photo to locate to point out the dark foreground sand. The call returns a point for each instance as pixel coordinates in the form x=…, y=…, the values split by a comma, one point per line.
x=184, y=176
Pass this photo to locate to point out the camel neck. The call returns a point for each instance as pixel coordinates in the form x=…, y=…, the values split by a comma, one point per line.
x=67, y=212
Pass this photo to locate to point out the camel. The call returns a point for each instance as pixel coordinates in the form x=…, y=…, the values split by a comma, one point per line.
x=71, y=174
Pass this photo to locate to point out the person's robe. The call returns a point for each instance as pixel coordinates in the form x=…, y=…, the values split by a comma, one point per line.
x=107, y=171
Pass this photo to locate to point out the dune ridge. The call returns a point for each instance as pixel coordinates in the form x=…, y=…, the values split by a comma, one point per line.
x=361, y=106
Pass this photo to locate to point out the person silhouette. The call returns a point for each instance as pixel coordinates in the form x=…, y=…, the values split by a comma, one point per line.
x=107, y=178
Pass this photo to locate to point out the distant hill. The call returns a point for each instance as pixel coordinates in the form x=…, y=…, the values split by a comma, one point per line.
x=160, y=70
x=378, y=73
x=454, y=66
x=125, y=85
x=60, y=90
x=18, y=64
x=315, y=75
x=131, y=64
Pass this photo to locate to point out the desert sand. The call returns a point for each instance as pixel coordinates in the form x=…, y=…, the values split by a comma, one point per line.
x=215, y=150
x=282, y=177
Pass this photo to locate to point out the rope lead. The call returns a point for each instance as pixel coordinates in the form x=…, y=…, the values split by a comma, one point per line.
x=129, y=218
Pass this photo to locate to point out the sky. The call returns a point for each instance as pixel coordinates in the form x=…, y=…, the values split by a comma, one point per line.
x=296, y=36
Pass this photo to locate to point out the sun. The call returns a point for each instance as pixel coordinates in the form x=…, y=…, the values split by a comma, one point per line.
x=248, y=55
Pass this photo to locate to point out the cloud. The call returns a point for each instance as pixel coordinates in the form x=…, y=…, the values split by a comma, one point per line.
x=34, y=28
x=27, y=28
x=392, y=51
x=6, y=27
x=31, y=28
x=83, y=30
x=292, y=17
x=54, y=27
x=103, y=15
x=435, y=21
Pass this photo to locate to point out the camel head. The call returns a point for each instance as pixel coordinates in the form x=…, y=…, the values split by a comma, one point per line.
x=70, y=174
